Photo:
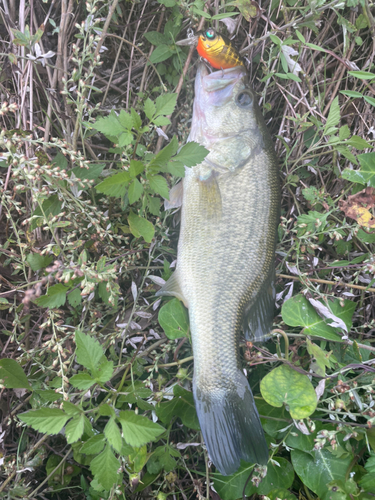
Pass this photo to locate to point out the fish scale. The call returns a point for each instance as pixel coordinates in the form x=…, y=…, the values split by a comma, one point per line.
x=225, y=260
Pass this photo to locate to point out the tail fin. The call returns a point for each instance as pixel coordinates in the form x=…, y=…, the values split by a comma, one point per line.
x=230, y=425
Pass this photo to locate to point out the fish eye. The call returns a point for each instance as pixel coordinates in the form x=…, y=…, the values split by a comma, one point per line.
x=210, y=33
x=244, y=99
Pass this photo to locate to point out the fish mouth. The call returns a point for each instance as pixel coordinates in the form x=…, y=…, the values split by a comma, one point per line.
x=217, y=88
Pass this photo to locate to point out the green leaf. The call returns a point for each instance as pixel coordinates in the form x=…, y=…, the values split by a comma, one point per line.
x=74, y=429
x=366, y=174
x=182, y=406
x=231, y=487
x=74, y=297
x=344, y=132
x=38, y=261
x=370, y=464
x=161, y=159
x=153, y=205
x=159, y=185
x=114, y=185
x=113, y=434
x=110, y=126
x=137, y=429
x=362, y=75
x=160, y=121
x=149, y=107
x=281, y=493
x=161, y=53
x=92, y=173
x=55, y=297
x=367, y=483
x=276, y=40
x=71, y=409
x=46, y=420
x=126, y=120
x=300, y=36
x=351, y=93
x=136, y=168
x=283, y=385
x=89, y=352
x=369, y=99
x=357, y=142
x=82, y=381
x=333, y=116
x=165, y=104
x=296, y=439
x=321, y=358
x=173, y=318
x=135, y=191
x=275, y=425
x=104, y=371
x=94, y=445
x=191, y=154
x=155, y=38
x=161, y=459
x=297, y=311
x=141, y=227
x=104, y=467
x=12, y=375
x=137, y=122
x=315, y=47
x=319, y=470
x=51, y=206
x=279, y=475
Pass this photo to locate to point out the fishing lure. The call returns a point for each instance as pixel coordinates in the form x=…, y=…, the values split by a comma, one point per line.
x=218, y=50
x=215, y=48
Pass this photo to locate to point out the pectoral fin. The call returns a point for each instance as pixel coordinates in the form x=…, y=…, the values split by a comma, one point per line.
x=259, y=314
x=210, y=203
x=172, y=289
x=175, y=197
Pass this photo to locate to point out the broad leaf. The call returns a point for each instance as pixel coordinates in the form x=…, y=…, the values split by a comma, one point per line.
x=141, y=227
x=297, y=311
x=165, y=104
x=89, y=352
x=12, y=375
x=46, y=420
x=319, y=470
x=113, y=434
x=104, y=467
x=173, y=318
x=55, y=297
x=114, y=185
x=74, y=429
x=366, y=174
x=283, y=385
x=137, y=429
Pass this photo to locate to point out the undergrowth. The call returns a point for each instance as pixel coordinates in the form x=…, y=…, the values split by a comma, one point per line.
x=95, y=370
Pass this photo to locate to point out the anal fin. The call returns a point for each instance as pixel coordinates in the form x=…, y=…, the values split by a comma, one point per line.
x=172, y=289
x=259, y=314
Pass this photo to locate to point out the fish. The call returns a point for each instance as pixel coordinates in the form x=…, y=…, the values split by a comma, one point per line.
x=215, y=48
x=225, y=271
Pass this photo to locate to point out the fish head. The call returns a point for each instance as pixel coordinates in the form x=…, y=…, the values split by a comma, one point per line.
x=226, y=117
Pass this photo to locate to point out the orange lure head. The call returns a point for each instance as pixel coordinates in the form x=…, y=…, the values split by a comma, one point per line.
x=218, y=50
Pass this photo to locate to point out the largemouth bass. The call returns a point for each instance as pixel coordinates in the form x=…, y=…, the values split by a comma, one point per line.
x=225, y=261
